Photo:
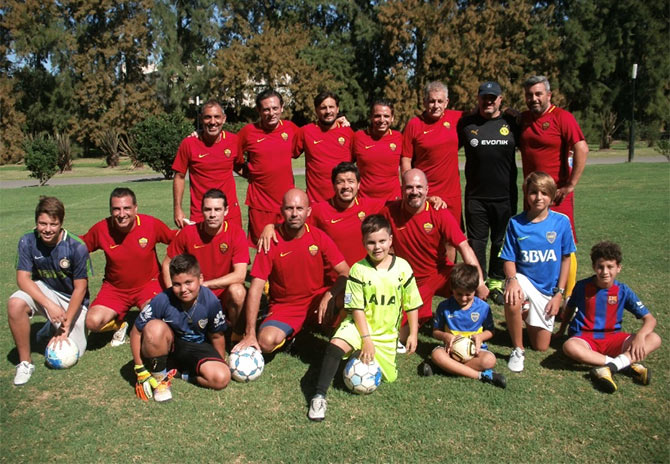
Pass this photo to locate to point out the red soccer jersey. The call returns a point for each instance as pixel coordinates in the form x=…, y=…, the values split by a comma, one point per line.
x=216, y=255
x=268, y=155
x=422, y=238
x=131, y=258
x=296, y=268
x=344, y=227
x=209, y=167
x=546, y=141
x=378, y=162
x=433, y=148
x=323, y=151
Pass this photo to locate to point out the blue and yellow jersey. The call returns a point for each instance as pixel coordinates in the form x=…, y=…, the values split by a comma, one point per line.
x=449, y=317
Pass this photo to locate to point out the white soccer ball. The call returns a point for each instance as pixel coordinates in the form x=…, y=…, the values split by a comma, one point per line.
x=362, y=378
x=62, y=355
x=246, y=364
x=462, y=349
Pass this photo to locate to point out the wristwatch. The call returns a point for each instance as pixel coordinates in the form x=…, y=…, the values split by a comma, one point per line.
x=556, y=290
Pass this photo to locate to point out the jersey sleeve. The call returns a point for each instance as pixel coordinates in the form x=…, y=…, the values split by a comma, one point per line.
x=408, y=139
x=24, y=258
x=240, y=248
x=153, y=310
x=82, y=268
x=411, y=298
x=570, y=129
x=163, y=233
x=178, y=244
x=353, y=292
x=332, y=255
x=299, y=142
x=439, y=320
x=567, y=240
x=263, y=264
x=633, y=304
x=241, y=145
x=449, y=227
x=90, y=238
x=180, y=163
x=509, y=251
x=488, y=321
x=217, y=320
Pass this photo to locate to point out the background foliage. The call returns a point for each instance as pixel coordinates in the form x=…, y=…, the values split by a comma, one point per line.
x=86, y=66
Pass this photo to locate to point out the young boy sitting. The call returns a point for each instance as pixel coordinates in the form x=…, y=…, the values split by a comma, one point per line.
x=595, y=332
x=536, y=255
x=379, y=287
x=176, y=323
x=466, y=315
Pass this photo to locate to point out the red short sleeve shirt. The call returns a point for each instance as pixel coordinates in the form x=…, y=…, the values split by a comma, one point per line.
x=378, y=162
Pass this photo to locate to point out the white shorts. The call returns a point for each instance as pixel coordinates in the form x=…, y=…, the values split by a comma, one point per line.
x=537, y=302
x=78, y=332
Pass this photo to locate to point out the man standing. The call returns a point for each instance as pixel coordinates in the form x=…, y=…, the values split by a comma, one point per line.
x=52, y=272
x=128, y=240
x=208, y=159
x=421, y=235
x=325, y=143
x=264, y=158
x=221, y=250
x=552, y=141
x=490, y=139
x=295, y=268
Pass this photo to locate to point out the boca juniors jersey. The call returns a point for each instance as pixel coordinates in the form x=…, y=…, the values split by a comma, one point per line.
x=449, y=317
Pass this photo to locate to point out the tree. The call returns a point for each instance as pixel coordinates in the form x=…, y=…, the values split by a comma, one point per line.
x=41, y=158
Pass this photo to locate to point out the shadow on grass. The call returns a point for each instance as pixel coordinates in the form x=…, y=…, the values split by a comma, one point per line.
x=35, y=347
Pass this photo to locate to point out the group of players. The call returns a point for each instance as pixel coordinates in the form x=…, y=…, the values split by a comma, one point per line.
x=320, y=251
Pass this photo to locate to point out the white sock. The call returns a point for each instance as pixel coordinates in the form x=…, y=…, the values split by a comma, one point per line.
x=621, y=362
x=608, y=360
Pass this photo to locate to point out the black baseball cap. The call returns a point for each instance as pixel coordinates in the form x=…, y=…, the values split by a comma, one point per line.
x=490, y=88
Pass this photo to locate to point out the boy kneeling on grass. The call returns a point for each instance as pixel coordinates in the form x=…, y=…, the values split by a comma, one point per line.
x=175, y=325
x=595, y=332
x=466, y=315
x=379, y=288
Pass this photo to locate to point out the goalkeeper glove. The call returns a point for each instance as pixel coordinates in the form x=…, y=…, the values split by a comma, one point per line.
x=145, y=383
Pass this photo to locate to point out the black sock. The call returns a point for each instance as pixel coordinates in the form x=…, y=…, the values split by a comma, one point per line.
x=157, y=364
x=612, y=367
x=331, y=361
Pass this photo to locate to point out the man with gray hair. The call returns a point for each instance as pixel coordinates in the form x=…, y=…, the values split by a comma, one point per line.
x=552, y=141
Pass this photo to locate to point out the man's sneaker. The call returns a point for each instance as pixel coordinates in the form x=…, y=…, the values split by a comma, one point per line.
x=641, y=373
x=317, y=408
x=425, y=369
x=119, y=337
x=488, y=376
x=400, y=348
x=163, y=392
x=23, y=372
x=497, y=297
x=515, y=363
x=602, y=379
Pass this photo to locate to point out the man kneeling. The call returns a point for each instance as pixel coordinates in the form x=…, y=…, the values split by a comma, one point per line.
x=173, y=327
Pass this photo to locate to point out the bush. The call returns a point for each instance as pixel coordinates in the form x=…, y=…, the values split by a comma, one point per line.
x=663, y=146
x=157, y=138
x=41, y=157
x=64, y=152
x=108, y=142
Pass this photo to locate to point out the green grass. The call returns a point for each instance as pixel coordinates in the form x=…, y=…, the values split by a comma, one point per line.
x=548, y=413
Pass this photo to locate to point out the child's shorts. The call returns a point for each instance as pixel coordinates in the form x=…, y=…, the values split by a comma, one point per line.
x=610, y=344
x=189, y=356
x=537, y=303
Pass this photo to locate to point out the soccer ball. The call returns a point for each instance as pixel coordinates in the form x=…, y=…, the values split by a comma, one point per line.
x=246, y=365
x=462, y=349
x=62, y=355
x=362, y=378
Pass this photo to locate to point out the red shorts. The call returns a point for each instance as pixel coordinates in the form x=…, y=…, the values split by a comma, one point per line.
x=122, y=299
x=437, y=284
x=567, y=207
x=611, y=345
x=291, y=317
x=258, y=219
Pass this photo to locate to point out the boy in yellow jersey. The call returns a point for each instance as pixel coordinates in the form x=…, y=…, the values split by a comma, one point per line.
x=379, y=288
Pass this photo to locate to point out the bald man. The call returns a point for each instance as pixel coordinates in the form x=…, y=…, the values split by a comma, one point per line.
x=421, y=235
x=295, y=268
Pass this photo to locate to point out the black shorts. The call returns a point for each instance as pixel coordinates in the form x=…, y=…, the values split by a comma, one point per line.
x=188, y=356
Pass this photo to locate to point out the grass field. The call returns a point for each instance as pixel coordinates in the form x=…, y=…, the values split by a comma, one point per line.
x=548, y=413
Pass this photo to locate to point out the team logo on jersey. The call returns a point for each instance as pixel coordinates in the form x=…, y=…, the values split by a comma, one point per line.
x=313, y=250
x=474, y=142
x=284, y=135
x=474, y=317
x=227, y=152
x=341, y=140
x=223, y=247
x=143, y=242
x=551, y=236
x=545, y=125
x=220, y=319
x=474, y=131
x=146, y=313
x=428, y=227
x=504, y=130
x=361, y=215
x=64, y=263
x=392, y=146
x=347, y=298
x=202, y=323
x=447, y=124
x=612, y=299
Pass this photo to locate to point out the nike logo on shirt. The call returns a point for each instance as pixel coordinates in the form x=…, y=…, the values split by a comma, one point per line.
x=260, y=140
x=203, y=155
x=111, y=247
x=430, y=130
x=368, y=146
x=523, y=238
x=282, y=254
x=335, y=221
x=198, y=246
x=317, y=141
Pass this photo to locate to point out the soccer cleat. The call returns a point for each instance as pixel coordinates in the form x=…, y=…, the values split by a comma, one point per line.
x=516, y=359
x=602, y=379
x=119, y=337
x=23, y=372
x=400, y=348
x=163, y=392
x=317, y=408
x=425, y=369
x=641, y=373
x=489, y=376
x=497, y=296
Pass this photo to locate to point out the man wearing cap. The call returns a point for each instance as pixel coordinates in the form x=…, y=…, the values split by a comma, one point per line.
x=490, y=139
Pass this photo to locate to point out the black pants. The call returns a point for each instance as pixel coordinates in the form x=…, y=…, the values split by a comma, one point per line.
x=482, y=217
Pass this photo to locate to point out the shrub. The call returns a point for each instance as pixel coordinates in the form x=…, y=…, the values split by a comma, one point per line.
x=41, y=157
x=64, y=152
x=108, y=142
x=663, y=146
x=157, y=138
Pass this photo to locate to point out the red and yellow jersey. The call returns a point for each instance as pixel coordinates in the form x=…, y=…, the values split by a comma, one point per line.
x=378, y=161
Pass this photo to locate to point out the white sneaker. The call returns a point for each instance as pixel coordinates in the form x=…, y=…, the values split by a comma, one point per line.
x=400, y=348
x=515, y=363
x=317, y=408
x=119, y=337
x=23, y=372
x=163, y=392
